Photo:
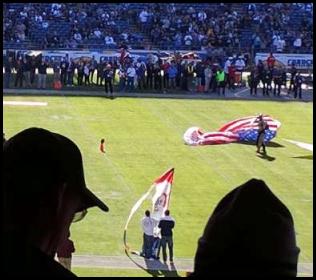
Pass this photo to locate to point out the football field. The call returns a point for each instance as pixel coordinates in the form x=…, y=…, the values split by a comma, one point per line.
x=144, y=139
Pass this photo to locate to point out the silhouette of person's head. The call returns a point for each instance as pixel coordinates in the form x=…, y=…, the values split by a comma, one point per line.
x=147, y=213
x=250, y=233
x=43, y=189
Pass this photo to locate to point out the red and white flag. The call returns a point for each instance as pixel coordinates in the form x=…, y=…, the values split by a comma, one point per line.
x=160, y=193
x=161, y=197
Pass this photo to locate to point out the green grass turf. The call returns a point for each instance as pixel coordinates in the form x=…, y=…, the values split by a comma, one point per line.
x=144, y=138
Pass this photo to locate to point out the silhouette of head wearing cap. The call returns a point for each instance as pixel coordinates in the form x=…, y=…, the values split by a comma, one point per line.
x=250, y=233
x=38, y=159
x=43, y=187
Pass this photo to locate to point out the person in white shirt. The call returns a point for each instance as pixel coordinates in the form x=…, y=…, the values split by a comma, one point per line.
x=188, y=40
x=131, y=73
x=109, y=41
x=297, y=44
x=148, y=237
x=240, y=66
x=143, y=16
x=280, y=45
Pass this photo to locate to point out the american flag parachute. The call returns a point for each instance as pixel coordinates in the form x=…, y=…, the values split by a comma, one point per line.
x=239, y=130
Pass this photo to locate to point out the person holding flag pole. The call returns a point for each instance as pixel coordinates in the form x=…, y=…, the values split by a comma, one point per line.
x=159, y=192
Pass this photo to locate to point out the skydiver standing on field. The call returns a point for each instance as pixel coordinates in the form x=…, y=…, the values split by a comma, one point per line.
x=262, y=126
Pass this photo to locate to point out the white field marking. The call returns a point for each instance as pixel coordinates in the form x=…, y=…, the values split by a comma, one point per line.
x=24, y=103
x=301, y=144
x=239, y=92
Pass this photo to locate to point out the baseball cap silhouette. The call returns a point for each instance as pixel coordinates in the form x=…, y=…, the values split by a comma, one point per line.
x=250, y=233
x=36, y=159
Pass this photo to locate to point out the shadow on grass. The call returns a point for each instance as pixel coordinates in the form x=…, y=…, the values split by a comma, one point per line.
x=156, y=268
x=265, y=156
x=310, y=157
x=270, y=144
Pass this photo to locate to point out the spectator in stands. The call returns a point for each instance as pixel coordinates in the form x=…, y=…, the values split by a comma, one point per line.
x=77, y=36
x=109, y=41
x=43, y=192
x=241, y=242
x=20, y=31
x=188, y=39
x=280, y=44
x=297, y=44
x=143, y=18
x=256, y=43
x=42, y=74
x=8, y=66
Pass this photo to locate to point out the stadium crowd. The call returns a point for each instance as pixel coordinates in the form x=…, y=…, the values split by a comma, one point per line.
x=127, y=74
x=168, y=26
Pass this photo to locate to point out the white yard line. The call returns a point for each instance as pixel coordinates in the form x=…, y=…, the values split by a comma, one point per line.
x=24, y=103
x=301, y=144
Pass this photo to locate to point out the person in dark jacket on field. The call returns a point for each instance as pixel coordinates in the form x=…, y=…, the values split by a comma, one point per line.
x=70, y=72
x=166, y=224
x=277, y=80
x=33, y=69
x=27, y=71
x=7, y=72
x=19, y=73
x=293, y=72
x=249, y=234
x=63, y=70
x=108, y=77
x=42, y=74
x=253, y=81
x=298, y=81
